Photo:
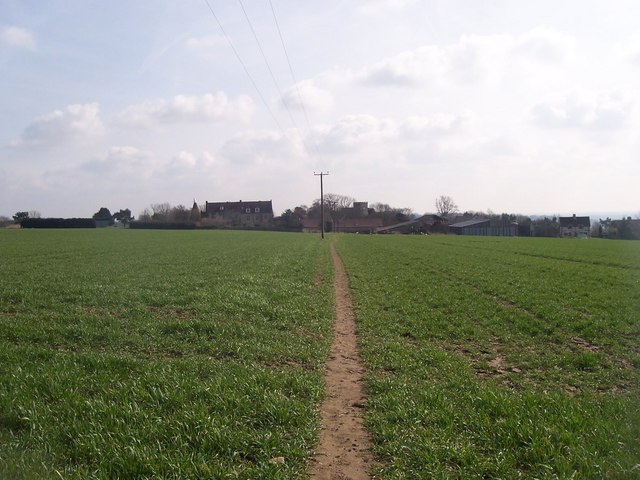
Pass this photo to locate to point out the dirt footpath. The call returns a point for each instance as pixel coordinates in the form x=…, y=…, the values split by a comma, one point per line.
x=344, y=450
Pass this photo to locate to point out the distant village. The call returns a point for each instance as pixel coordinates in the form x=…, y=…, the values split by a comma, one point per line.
x=342, y=214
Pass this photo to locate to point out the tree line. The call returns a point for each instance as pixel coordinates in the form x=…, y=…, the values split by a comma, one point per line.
x=337, y=209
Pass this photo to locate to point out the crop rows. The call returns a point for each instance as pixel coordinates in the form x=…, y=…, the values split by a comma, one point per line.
x=136, y=354
x=499, y=357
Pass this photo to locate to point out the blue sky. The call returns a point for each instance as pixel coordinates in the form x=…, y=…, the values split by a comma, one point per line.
x=512, y=106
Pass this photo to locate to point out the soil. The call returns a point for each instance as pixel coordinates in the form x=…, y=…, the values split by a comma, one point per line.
x=344, y=449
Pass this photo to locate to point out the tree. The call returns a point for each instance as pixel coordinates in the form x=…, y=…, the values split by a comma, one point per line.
x=180, y=214
x=314, y=210
x=335, y=205
x=19, y=216
x=145, y=215
x=300, y=211
x=123, y=216
x=161, y=212
x=103, y=215
x=391, y=215
x=606, y=227
x=290, y=219
x=445, y=206
x=624, y=229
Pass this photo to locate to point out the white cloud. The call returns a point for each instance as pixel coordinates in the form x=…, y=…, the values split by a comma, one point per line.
x=353, y=132
x=473, y=58
x=603, y=111
x=263, y=147
x=407, y=69
x=19, y=37
x=420, y=127
x=630, y=50
x=205, y=42
x=544, y=44
x=374, y=7
x=308, y=95
x=76, y=123
x=122, y=162
x=357, y=132
x=208, y=108
x=184, y=163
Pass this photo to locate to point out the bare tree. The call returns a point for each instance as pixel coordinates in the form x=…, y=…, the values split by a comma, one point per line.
x=145, y=215
x=161, y=212
x=445, y=206
x=381, y=207
x=336, y=205
x=180, y=214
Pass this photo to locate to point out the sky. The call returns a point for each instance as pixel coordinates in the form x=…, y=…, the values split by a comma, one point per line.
x=504, y=105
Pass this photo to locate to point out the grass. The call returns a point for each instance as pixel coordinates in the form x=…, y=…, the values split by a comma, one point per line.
x=499, y=357
x=137, y=354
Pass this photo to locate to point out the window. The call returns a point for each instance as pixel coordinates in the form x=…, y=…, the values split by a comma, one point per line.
x=257, y=209
x=221, y=207
x=247, y=210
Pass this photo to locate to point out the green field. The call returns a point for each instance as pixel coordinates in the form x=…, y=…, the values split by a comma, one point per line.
x=158, y=354
x=499, y=357
x=137, y=354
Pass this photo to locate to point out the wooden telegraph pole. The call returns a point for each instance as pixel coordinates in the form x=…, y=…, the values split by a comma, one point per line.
x=321, y=174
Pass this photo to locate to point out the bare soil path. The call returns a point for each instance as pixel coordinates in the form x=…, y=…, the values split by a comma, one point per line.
x=344, y=450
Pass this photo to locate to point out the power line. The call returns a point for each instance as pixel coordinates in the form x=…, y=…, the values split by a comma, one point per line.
x=246, y=70
x=266, y=61
x=295, y=82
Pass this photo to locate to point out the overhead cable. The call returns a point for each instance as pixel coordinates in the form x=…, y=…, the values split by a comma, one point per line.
x=293, y=77
x=275, y=82
x=246, y=70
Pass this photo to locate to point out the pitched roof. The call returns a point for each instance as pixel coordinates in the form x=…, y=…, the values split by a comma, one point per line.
x=470, y=223
x=428, y=219
x=265, y=206
x=370, y=222
x=575, y=221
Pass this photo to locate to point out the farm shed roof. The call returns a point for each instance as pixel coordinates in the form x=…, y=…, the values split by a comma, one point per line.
x=470, y=223
x=428, y=219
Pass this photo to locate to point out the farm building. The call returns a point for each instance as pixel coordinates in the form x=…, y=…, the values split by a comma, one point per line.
x=359, y=225
x=347, y=225
x=575, y=226
x=255, y=214
x=354, y=219
x=424, y=224
x=483, y=227
x=312, y=225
